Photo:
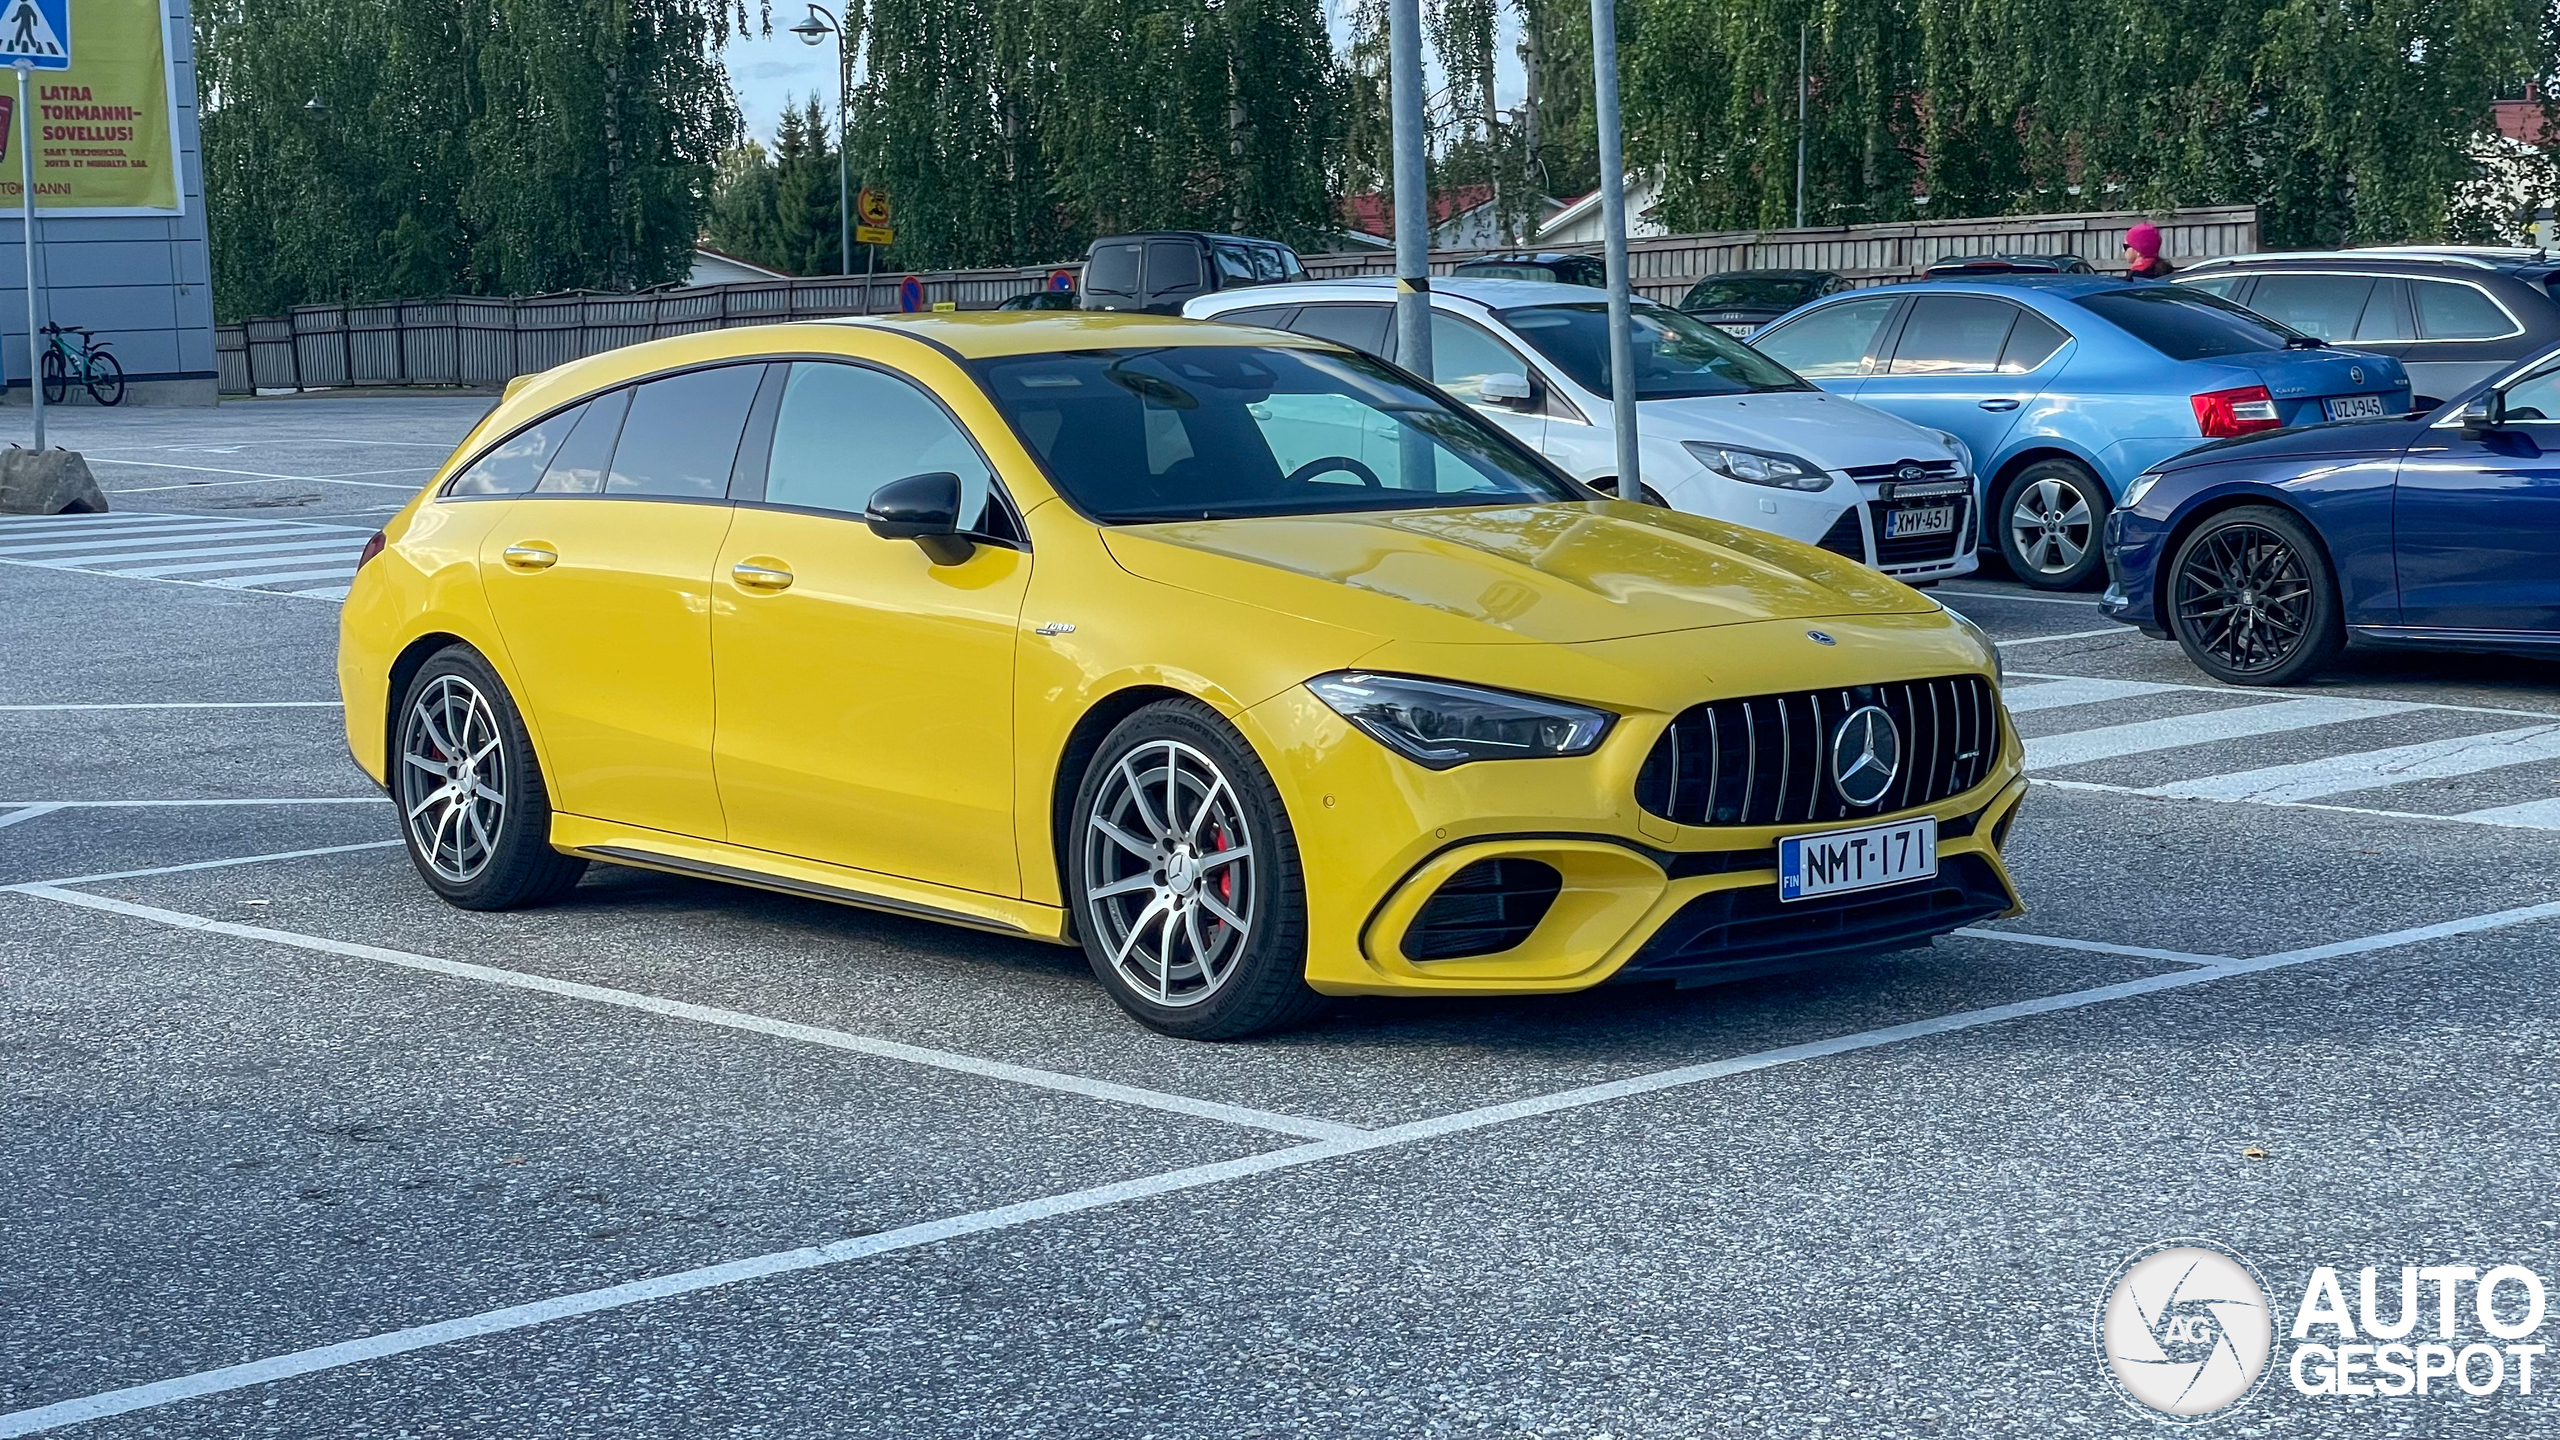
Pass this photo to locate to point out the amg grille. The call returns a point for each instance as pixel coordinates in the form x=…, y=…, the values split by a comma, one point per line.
x=1766, y=760
x=1484, y=909
x=1728, y=934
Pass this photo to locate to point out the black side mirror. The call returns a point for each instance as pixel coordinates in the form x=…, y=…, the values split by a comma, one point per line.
x=923, y=508
x=2480, y=416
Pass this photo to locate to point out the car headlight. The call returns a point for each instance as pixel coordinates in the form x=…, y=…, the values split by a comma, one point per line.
x=1963, y=452
x=1999, y=667
x=1438, y=724
x=2140, y=487
x=1759, y=467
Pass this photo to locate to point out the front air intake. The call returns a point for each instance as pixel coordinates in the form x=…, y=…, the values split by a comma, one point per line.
x=1484, y=909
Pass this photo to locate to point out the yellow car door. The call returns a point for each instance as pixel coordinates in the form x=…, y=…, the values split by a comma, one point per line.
x=864, y=687
x=599, y=580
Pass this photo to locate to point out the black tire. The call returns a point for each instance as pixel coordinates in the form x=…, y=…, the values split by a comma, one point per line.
x=2252, y=598
x=1169, y=900
x=475, y=860
x=57, y=380
x=106, y=378
x=2066, y=509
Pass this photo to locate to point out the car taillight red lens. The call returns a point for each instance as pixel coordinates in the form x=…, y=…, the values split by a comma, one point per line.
x=372, y=548
x=2224, y=413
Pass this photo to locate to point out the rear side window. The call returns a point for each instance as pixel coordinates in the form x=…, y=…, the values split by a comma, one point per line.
x=2324, y=305
x=2184, y=325
x=1234, y=266
x=1113, y=270
x=1172, y=265
x=1829, y=343
x=1275, y=317
x=1953, y=335
x=578, y=467
x=1266, y=263
x=2386, y=313
x=2447, y=311
x=681, y=439
x=516, y=463
x=2031, y=343
x=1362, y=327
x=844, y=431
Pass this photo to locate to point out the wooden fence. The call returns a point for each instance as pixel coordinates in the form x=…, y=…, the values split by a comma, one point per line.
x=485, y=341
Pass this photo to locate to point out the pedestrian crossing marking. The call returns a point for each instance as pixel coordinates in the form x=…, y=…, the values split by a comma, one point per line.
x=282, y=557
x=2532, y=814
x=2053, y=694
x=2108, y=742
x=2375, y=769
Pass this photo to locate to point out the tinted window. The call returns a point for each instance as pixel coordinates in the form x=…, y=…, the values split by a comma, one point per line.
x=512, y=467
x=2184, y=325
x=2221, y=285
x=1675, y=355
x=1274, y=316
x=1752, y=292
x=1172, y=265
x=1266, y=263
x=2322, y=305
x=1113, y=269
x=844, y=431
x=1829, y=342
x=1290, y=267
x=1194, y=432
x=2447, y=311
x=1953, y=335
x=1234, y=265
x=682, y=435
x=1362, y=327
x=578, y=466
x=2386, y=314
x=1462, y=355
x=2031, y=343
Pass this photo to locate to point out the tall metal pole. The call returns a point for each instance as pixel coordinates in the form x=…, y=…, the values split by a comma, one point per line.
x=1412, y=191
x=844, y=136
x=1613, y=233
x=1802, y=86
x=27, y=192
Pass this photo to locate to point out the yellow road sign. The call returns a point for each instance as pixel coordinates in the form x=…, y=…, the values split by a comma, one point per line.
x=874, y=235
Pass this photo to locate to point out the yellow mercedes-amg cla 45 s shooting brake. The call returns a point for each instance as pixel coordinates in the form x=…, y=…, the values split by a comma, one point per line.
x=1253, y=666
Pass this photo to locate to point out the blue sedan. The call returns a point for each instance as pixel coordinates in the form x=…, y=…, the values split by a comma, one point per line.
x=2264, y=556
x=2065, y=387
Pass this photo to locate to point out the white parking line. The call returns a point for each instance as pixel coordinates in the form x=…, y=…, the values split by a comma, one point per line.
x=261, y=474
x=2017, y=595
x=2537, y=815
x=190, y=804
x=2247, y=693
x=2374, y=769
x=174, y=580
x=307, y=552
x=341, y=572
x=614, y=1297
x=2531, y=815
x=29, y=813
x=2111, y=632
x=1251, y=1119
x=100, y=562
x=188, y=704
x=223, y=864
x=2054, y=694
x=117, y=541
x=2080, y=747
x=2094, y=947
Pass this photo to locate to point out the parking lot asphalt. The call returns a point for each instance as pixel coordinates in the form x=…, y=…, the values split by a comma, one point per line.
x=301, y=1151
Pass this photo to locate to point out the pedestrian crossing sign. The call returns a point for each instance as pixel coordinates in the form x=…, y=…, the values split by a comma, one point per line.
x=35, y=33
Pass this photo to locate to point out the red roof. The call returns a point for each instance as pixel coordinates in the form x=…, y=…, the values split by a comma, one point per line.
x=2522, y=120
x=1375, y=212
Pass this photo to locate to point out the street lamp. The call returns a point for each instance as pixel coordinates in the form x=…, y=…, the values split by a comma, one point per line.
x=817, y=27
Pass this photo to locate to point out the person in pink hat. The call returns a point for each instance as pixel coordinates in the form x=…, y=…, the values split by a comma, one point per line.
x=2142, y=253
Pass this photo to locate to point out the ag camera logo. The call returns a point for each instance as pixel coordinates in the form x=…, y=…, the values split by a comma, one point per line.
x=2185, y=1329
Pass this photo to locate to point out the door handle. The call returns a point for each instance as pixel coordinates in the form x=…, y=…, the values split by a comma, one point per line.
x=752, y=576
x=531, y=555
x=1999, y=404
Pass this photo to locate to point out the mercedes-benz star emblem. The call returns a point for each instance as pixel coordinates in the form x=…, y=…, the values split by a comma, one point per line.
x=1818, y=638
x=1866, y=754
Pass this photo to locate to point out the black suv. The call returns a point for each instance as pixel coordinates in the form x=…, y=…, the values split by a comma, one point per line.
x=2454, y=316
x=1157, y=271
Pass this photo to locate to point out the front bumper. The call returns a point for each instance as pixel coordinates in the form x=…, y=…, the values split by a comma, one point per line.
x=2131, y=545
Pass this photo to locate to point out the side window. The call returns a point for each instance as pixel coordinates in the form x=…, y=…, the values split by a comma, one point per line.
x=1266, y=263
x=682, y=435
x=2031, y=343
x=2323, y=305
x=1234, y=266
x=1275, y=317
x=2534, y=398
x=2386, y=313
x=1953, y=335
x=845, y=431
x=578, y=466
x=1462, y=355
x=1362, y=327
x=2226, y=286
x=1172, y=265
x=1829, y=343
x=516, y=463
x=1113, y=270
x=2447, y=311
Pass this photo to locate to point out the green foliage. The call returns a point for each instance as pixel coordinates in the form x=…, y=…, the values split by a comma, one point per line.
x=777, y=208
x=361, y=149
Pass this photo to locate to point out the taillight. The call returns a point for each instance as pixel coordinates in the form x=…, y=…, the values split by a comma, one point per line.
x=372, y=548
x=2224, y=413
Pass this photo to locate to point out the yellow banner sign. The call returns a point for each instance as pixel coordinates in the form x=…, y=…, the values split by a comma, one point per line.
x=874, y=235
x=105, y=141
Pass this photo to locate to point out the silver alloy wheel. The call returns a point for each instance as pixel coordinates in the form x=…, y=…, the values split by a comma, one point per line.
x=453, y=777
x=2049, y=525
x=1169, y=873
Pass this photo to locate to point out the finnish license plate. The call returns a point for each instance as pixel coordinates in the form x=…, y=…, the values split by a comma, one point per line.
x=2354, y=407
x=1861, y=859
x=1919, y=520
x=1739, y=328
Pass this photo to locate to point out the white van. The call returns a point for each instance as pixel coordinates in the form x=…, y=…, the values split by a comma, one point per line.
x=1725, y=431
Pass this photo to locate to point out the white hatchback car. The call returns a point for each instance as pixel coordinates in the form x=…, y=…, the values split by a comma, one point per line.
x=1725, y=430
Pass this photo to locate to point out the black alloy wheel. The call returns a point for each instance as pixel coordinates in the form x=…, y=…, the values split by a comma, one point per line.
x=2252, y=600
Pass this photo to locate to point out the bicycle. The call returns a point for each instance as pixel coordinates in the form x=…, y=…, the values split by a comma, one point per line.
x=97, y=370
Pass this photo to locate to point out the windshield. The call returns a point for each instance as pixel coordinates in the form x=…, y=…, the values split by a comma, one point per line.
x=1214, y=432
x=1676, y=356
x=1753, y=292
x=2190, y=324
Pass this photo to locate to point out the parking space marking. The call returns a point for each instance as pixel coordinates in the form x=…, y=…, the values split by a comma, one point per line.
x=2094, y=947
x=2018, y=595
x=209, y=801
x=26, y=813
x=265, y=475
x=2375, y=769
x=2053, y=694
x=2108, y=742
x=276, y=557
x=2531, y=815
x=1292, y=1125
x=223, y=864
x=614, y=1297
x=2538, y=815
x=2111, y=632
x=188, y=705
x=2252, y=693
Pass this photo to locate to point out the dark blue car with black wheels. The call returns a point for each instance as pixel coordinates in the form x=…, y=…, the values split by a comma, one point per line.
x=2263, y=556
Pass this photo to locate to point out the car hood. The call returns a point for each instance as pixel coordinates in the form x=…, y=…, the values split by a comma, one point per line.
x=1826, y=429
x=2388, y=436
x=1552, y=574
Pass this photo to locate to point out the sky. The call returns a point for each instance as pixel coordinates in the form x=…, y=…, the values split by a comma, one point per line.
x=770, y=73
